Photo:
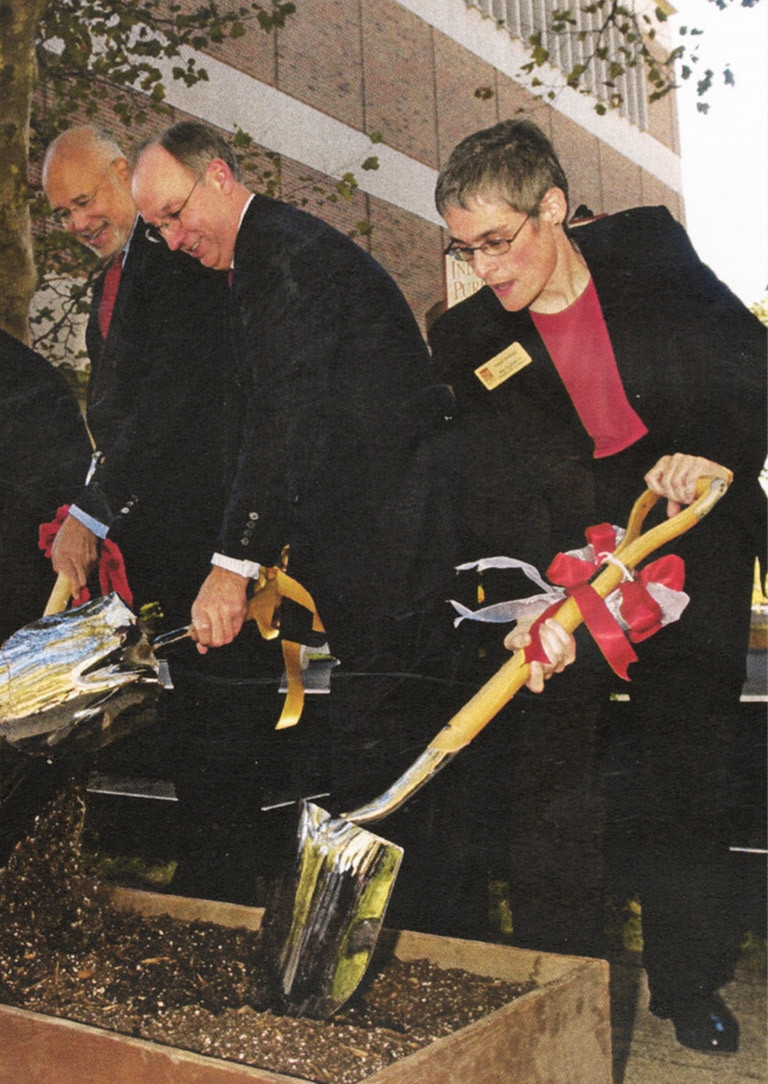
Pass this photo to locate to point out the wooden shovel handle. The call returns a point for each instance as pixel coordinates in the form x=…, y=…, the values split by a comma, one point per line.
x=708, y=492
x=635, y=547
x=60, y=596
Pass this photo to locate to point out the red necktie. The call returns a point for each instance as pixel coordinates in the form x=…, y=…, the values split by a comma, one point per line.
x=109, y=293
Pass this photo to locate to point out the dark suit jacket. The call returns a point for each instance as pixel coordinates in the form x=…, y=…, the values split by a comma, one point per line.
x=692, y=359
x=341, y=414
x=156, y=404
x=44, y=455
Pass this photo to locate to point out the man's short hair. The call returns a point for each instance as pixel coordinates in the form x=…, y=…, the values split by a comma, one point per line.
x=513, y=161
x=195, y=146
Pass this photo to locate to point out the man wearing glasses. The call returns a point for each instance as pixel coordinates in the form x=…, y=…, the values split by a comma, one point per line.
x=161, y=366
x=341, y=421
x=595, y=357
x=156, y=339
x=337, y=390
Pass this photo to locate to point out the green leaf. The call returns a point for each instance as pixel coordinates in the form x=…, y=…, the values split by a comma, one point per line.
x=705, y=83
x=658, y=94
x=346, y=185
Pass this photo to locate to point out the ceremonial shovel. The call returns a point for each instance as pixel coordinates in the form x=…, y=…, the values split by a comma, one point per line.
x=66, y=678
x=321, y=927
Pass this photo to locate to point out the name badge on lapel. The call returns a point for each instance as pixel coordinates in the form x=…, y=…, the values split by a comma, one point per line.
x=500, y=368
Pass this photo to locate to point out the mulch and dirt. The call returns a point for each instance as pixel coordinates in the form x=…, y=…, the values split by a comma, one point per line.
x=200, y=986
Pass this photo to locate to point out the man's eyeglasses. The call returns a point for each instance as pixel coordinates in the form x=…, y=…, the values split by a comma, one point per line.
x=63, y=215
x=173, y=218
x=466, y=253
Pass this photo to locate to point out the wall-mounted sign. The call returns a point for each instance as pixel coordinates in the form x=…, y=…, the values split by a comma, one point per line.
x=460, y=281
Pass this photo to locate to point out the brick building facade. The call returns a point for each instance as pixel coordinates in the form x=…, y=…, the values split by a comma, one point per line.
x=417, y=75
x=421, y=74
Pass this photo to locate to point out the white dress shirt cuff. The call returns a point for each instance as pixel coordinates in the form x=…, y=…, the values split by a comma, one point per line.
x=249, y=569
x=99, y=529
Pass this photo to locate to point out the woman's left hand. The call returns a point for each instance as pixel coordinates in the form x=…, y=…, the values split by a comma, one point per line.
x=675, y=477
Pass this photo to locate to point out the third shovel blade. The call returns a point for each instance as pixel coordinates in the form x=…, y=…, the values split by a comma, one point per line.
x=322, y=926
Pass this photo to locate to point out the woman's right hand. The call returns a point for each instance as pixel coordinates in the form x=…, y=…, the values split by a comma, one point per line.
x=559, y=646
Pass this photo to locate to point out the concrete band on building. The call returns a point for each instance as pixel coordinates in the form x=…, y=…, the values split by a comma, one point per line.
x=418, y=75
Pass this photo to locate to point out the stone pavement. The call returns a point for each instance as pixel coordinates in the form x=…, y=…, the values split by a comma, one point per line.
x=645, y=1050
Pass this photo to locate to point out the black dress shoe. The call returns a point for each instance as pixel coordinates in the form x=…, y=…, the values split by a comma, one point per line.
x=701, y=1023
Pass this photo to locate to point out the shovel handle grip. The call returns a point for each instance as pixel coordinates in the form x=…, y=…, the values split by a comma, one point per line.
x=634, y=548
x=59, y=597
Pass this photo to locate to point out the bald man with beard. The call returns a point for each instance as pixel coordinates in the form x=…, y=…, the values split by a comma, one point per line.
x=156, y=340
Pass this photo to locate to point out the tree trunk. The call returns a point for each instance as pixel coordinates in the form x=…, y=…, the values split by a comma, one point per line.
x=19, y=21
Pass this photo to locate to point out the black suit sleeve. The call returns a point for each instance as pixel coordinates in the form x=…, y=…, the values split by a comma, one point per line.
x=691, y=355
x=156, y=413
x=44, y=456
x=334, y=374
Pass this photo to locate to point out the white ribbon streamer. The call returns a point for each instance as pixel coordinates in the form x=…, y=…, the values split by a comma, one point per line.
x=672, y=603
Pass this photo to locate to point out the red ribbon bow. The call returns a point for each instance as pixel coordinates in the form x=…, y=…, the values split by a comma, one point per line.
x=638, y=608
x=112, y=574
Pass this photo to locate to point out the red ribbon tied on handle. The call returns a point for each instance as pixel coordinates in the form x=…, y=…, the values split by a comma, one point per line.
x=112, y=574
x=639, y=610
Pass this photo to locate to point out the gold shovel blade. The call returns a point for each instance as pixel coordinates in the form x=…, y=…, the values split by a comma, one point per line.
x=322, y=925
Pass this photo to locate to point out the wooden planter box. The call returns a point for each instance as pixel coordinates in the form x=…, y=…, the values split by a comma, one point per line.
x=558, y=1033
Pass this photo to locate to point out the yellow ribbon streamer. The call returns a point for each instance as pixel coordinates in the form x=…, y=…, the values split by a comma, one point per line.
x=273, y=585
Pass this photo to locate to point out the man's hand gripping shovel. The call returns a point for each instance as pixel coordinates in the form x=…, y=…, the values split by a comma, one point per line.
x=63, y=677
x=321, y=927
